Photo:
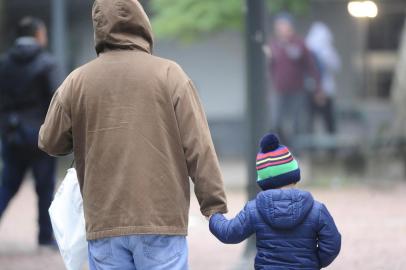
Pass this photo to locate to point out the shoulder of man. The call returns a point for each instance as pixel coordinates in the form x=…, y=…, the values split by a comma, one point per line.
x=174, y=77
x=172, y=68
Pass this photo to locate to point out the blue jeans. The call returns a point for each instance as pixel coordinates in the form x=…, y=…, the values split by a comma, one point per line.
x=289, y=113
x=139, y=252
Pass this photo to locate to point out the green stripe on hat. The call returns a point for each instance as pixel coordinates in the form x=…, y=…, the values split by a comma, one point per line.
x=277, y=170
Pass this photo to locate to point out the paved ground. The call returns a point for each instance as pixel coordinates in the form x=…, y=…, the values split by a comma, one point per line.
x=372, y=222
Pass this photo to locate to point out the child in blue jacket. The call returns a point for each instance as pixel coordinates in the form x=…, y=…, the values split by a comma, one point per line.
x=293, y=231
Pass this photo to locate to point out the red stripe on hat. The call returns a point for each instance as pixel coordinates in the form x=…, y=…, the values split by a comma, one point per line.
x=274, y=163
x=284, y=150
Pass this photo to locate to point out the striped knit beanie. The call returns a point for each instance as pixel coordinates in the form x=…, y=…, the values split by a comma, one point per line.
x=276, y=167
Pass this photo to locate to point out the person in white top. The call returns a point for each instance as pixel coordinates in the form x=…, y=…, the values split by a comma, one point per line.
x=320, y=41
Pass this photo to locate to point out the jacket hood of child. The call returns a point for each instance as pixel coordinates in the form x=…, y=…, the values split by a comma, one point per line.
x=284, y=208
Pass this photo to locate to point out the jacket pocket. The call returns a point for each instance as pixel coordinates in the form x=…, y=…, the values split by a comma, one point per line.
x=100, y=249
x=161, y=248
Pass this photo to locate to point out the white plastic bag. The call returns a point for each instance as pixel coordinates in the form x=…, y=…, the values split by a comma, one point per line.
x=68, y=222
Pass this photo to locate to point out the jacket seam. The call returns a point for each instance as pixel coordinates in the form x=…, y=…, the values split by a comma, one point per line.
x=60, y=103
x=133, y=227
x=137, y=230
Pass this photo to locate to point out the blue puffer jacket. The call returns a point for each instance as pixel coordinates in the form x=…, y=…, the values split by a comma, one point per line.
x=293, y=231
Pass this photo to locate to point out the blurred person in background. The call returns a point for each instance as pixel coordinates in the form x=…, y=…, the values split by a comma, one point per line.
x=138, y=131
x=320, y=42
x=290, y=63
x=28, y=78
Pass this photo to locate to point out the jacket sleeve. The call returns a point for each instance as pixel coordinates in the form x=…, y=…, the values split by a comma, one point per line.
x=232, y=231
x=201, y=159
x=329, y=239
x=55, y=135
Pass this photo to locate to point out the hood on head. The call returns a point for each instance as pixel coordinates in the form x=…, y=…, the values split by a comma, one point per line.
x=319, y=36
x=284, y=208
x=121, y=24
x=25, y=49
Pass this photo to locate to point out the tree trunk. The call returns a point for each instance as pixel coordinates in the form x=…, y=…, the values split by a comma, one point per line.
x=256, y=91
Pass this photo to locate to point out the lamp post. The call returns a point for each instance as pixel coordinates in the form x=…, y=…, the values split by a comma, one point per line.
x=363, y=10
x=2, y=13
x=59, y=33
x=256, y=90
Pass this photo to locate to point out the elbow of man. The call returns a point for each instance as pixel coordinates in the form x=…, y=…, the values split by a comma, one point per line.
x=50, y=147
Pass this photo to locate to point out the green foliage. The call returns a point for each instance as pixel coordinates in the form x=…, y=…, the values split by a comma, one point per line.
x=296, y=7
x=189, y=19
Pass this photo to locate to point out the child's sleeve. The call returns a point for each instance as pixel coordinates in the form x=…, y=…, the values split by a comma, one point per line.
x=232, y=231
x=329, y=239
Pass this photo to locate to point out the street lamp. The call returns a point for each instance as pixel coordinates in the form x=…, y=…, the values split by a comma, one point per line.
x=363, y=9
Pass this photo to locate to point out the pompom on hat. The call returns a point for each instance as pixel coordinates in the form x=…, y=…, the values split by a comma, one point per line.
x=276, y=166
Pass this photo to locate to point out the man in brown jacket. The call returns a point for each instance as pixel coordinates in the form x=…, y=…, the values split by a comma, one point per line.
x=138, y=132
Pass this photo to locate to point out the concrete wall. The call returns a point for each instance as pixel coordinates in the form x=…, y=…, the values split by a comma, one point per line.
x=216, y=66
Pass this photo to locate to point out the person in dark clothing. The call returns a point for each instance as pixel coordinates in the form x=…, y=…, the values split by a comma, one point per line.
x=28, y=78
x=293, y=231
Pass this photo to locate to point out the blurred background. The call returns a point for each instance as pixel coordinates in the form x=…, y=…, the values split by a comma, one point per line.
x=350, y=140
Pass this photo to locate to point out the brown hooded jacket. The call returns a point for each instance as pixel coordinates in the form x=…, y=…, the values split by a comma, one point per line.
x=137, y=130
